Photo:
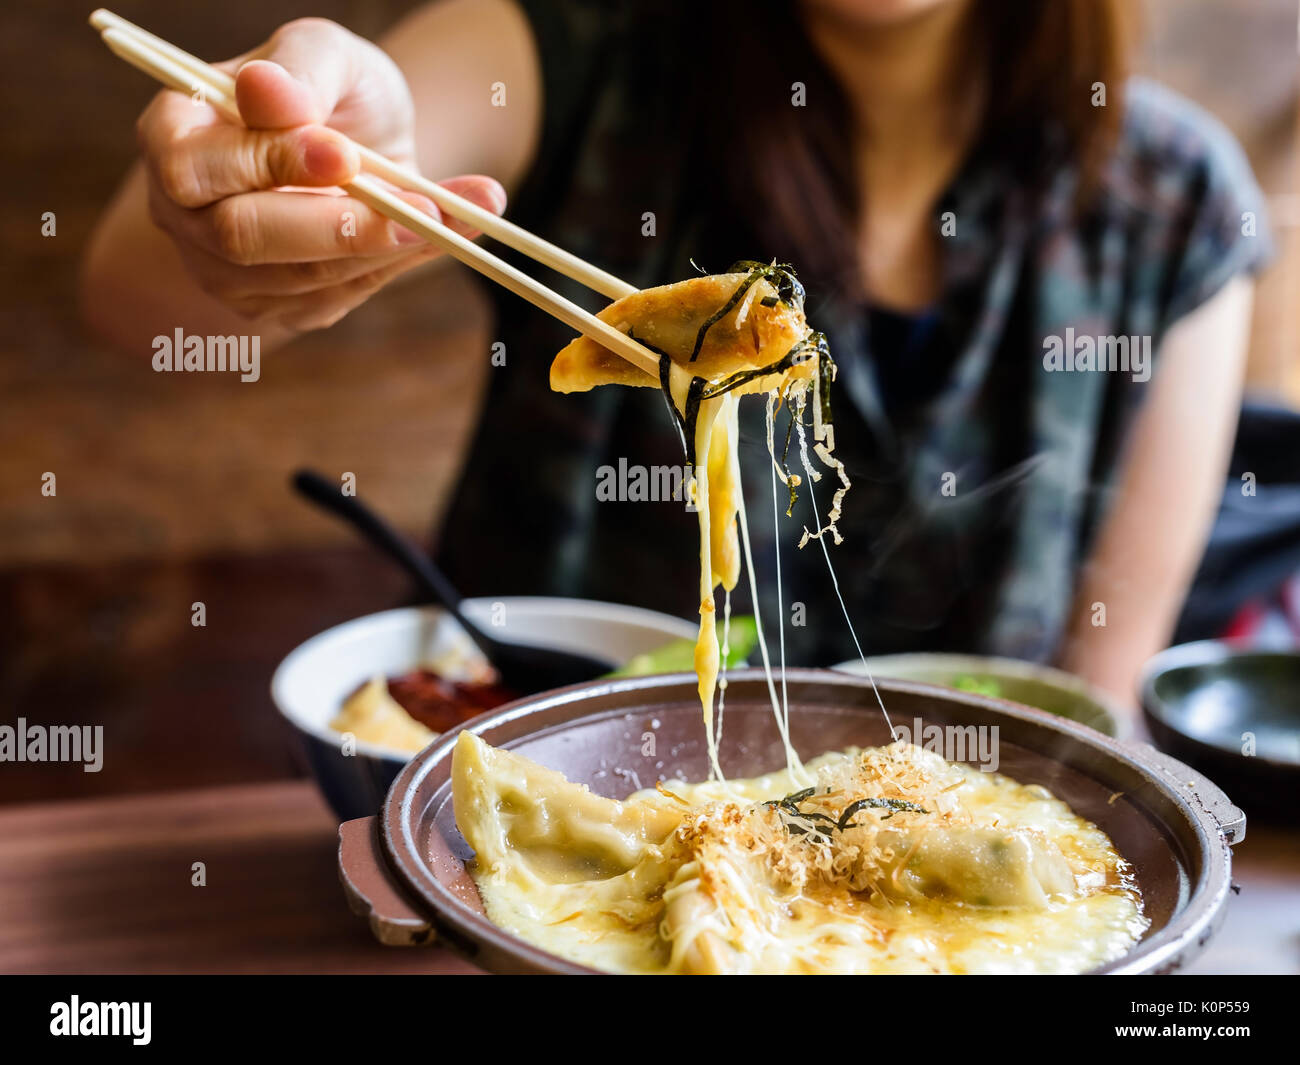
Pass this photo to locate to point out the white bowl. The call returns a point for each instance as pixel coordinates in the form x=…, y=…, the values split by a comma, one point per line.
x=310, y=685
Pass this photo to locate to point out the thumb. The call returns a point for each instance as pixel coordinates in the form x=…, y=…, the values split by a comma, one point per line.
x=269, y=97
x=297, y=77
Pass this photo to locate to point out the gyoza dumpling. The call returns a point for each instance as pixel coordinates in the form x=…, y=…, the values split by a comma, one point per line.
x=758, y=328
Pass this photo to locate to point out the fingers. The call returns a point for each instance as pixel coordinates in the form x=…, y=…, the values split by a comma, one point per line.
x=324, y=307
x=286, y=227
x=303, y=295
x=255, y=208
x=285, y=90
x=484, y=191
x=228, y=282
x=198, y=164
x=282, y=226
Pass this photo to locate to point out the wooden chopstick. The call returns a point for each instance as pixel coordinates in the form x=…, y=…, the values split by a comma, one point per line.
x=542, y=251
x=142, y=55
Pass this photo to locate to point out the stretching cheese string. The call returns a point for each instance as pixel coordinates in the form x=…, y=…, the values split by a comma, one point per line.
x=797, y=413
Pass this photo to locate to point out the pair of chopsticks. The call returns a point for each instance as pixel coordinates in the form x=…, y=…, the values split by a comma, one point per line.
x=185, y=73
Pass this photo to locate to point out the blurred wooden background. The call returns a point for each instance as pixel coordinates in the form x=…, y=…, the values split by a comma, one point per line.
x=172, y=489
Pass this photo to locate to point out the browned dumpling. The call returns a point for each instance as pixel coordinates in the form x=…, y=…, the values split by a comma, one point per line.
x=757, y=331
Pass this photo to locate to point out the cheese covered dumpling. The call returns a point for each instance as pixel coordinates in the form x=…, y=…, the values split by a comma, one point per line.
x=892, y=861
x=729, y=326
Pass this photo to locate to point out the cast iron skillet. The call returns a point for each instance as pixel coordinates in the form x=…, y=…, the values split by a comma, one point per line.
x=405, y=870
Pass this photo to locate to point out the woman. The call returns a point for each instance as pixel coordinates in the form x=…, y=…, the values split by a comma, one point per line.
x=967, y=188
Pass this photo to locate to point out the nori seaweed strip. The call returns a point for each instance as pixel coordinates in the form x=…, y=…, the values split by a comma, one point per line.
x=717, y=316
x=691, y=416
x=892, y=805
x=789, y=289
x=665, y=386
x=789, y=432
x=792, y=798
x=743, y=377
x=789, y=805
x=785, y=465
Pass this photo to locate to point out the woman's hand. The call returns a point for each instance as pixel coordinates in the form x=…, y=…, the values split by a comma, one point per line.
x=300, y=257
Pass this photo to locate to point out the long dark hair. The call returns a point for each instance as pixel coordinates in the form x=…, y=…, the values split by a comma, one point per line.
x=790, y=170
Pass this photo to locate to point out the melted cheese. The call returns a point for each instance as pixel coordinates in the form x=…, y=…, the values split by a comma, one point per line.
x=978, y=874
x=707, y=654
x=678, y=320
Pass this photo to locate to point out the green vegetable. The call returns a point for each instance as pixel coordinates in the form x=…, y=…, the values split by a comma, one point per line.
x=978, y=685
x=679, y=656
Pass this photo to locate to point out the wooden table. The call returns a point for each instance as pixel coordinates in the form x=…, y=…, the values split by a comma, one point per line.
x=104, y=886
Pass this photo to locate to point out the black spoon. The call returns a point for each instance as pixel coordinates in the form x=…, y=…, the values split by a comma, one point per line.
x=523, y=669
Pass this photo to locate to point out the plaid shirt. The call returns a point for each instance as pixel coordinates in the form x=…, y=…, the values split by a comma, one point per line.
x=990, y=567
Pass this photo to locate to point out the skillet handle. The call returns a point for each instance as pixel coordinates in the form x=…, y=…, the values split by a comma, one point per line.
x=1230, y=818
x=370, y=889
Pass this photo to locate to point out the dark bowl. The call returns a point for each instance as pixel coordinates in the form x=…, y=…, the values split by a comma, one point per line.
x=1209, y=703
x=405, y=871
